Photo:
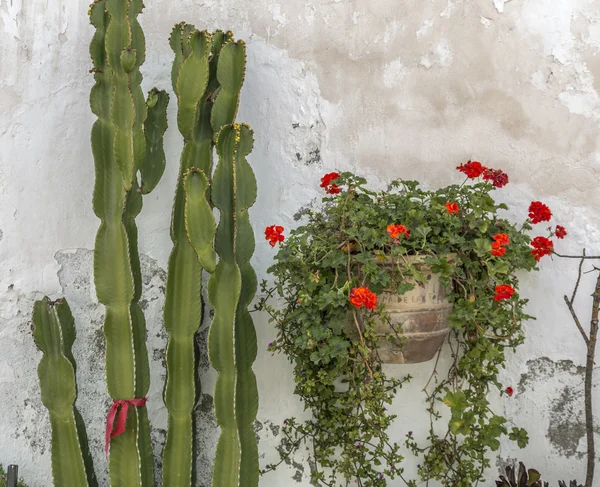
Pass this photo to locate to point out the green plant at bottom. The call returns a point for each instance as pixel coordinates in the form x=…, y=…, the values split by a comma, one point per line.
x=520, y=478
x=524, y=477
x=328, y=275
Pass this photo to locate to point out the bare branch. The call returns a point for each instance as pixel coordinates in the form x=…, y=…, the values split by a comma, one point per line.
x=576, y=320
x=588, y=257
x=570, y=303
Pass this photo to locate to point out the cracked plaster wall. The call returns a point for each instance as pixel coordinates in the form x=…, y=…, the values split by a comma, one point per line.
x=385, y=88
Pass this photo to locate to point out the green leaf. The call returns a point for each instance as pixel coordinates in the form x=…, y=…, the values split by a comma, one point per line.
x=405, y=287
x=520, y=436
x=482, y=247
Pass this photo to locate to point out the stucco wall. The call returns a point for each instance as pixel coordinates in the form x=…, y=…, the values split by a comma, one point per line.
x=386, y=88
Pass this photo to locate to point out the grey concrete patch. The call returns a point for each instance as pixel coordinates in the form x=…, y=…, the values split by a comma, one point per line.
x=566, y=408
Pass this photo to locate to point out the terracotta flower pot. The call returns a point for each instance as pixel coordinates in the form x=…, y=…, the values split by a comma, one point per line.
x=420, y=316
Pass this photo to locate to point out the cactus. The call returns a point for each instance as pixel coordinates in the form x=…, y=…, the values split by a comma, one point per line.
x=54, y=334
x=119, y=149
x=127, y=139
x=198, y=58
x=232, y=338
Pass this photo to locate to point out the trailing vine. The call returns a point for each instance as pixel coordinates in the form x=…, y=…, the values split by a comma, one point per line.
x=328, y=274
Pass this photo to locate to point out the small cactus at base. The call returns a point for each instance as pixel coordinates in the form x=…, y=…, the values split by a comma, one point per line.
x=54, y=334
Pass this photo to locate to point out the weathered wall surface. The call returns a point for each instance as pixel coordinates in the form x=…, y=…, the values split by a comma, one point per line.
x=388, y=89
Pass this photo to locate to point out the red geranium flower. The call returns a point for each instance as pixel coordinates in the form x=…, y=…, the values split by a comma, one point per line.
x=500, y=241
x=452, y=207
x=274, y=234
x=498, y=251
x=510, y=391
x=496, y=176
x=539, y=212
x=541, y=246
x=504, y=291
x=396, y=231
x=472, y=169
x=560, y=231
x=327, y=185
x=362, y=296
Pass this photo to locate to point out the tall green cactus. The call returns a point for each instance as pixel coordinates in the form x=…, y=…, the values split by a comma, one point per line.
x=232, y=337
x=119, y=148
x=54, y=334
x=198, y=58
x=127, y=144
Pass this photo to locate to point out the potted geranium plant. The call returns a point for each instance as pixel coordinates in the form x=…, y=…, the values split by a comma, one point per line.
x=336, y=276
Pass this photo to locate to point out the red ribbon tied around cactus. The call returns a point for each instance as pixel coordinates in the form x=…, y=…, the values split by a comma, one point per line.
x=112, y=414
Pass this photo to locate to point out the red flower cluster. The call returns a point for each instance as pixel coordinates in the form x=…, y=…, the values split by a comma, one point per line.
x=501, y=240
x=362, y=296
x=539, y=212
x=504, y=291
x=452, y=207
x=474, y=169
x=541, y=246
x=396, y=231
x=327, y=184
x=274, y=235
x=560, y=231
x=498, y=178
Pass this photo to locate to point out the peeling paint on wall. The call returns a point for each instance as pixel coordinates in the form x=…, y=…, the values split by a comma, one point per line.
x=566, y=413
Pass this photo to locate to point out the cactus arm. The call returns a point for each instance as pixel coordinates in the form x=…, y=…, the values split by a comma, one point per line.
x=155, y=127
x=199, y=219
x=67, y=324
x=183, y=313
x=178, y=42
x=108, y=187
x=219, y=39
x=232, y=338
x=54, y=333
x=133, y=206
x=192, y=81
x=183, y=299
x=231, y=70
x=125, y=48
x=245, y=333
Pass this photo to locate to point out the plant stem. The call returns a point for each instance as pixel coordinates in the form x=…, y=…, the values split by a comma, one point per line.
x=589, y=370
x=590, y=342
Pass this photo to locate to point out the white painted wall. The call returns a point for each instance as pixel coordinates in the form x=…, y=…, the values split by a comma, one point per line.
x=388, y=89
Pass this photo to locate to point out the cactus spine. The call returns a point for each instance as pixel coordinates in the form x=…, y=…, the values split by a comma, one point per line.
x=198, y=57
x=119, y=148
x=232, y=338
x=54, y=334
